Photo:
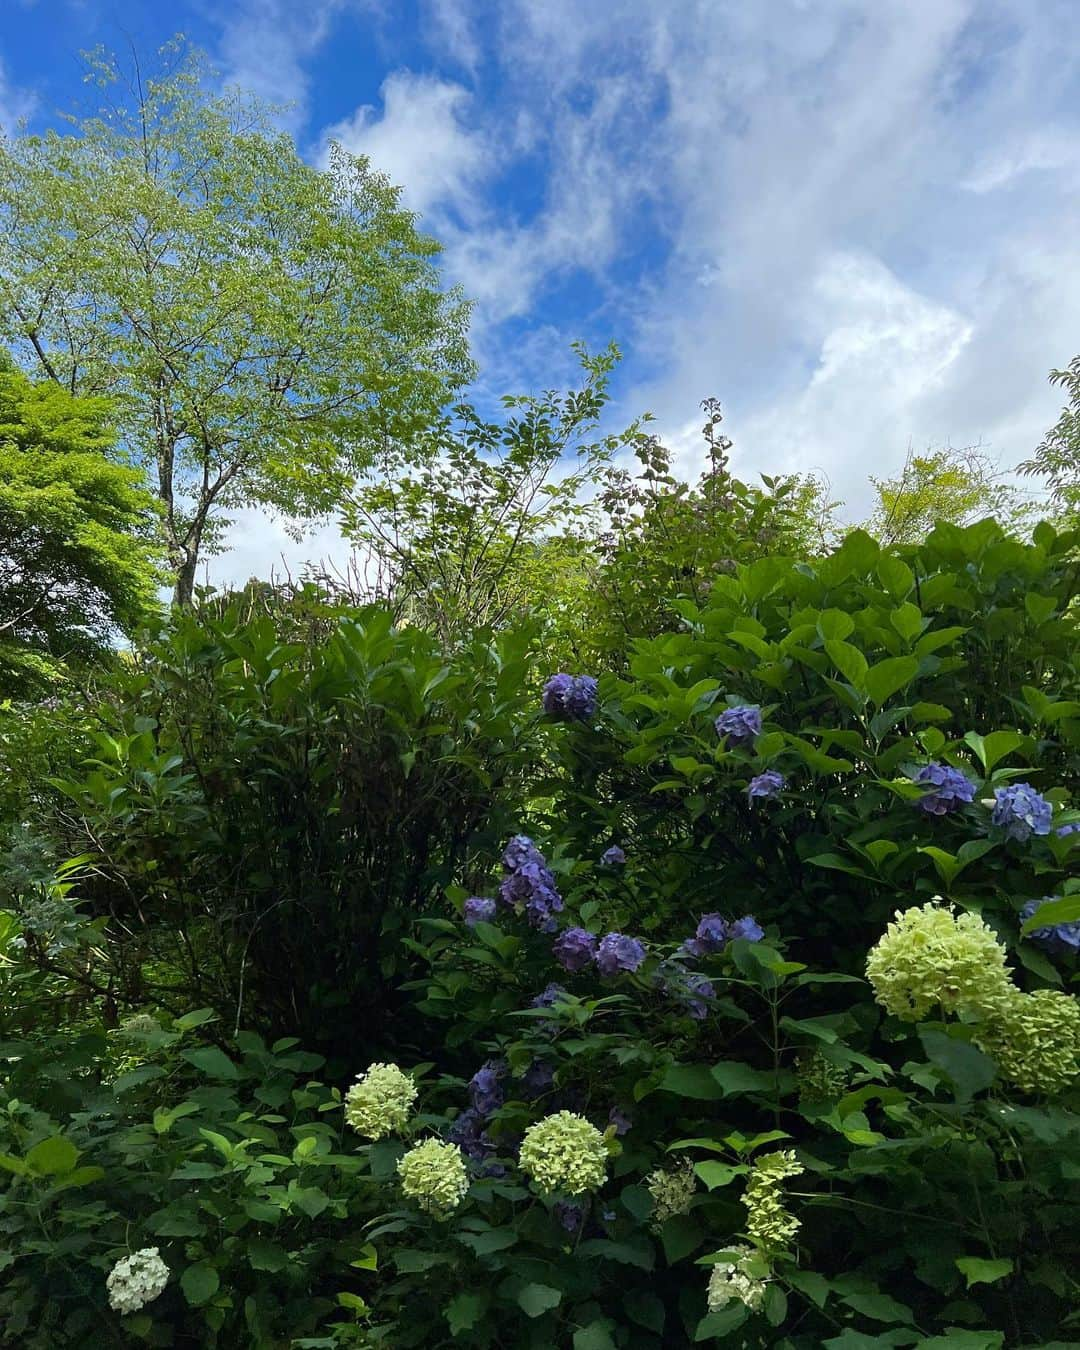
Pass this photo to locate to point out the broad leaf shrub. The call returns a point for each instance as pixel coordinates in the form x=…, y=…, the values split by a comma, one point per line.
x=268, y=815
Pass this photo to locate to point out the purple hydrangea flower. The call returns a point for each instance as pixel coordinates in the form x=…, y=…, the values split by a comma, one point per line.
x=468, y=1133
x=613, y=856
x=711, y=936
x=537, y=1079
x=1021, y=811
x=698, y=996
x=549, y=997
x=479, y=910
x=574, y=948
x=1060, y=938
x=1063, y=831
x=767, y=784
x=739, y=726
x=747, y=928
x=947, y=789
x=570, y=698
x=519, y=851
x=568, y=1215
x=618, y=952
x=485, y=1090
x=620, y=1119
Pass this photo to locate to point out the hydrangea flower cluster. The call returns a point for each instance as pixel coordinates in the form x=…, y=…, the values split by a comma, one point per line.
x=136, y=1280
x=549, y=996
x=379, y=1102
x=618, y=952
x=613, y=856
x=568, y=1215
x=1063, y=831
x=434, y=1176
x=574, y=948
x=468, y=1132
x=537, y=1079
x=672, y=1190
x=739, y=726
x=947, y=789
x=478, y=910
x=768, y=1223
x=931, y=957
x=819, y=1079
x=698, y=994
x=140, y=1024
x=1060, y=938
x=731, y=1282
x=765, y=785
x=715, y=932
x=529, y=885
x=570, y=698
x=564, y=1152
x=1021, y=811
x=1035, y=1040
x=485, y=1089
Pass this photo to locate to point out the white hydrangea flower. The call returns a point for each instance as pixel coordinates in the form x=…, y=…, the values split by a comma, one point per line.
x=136, y=1280
x=379, y=1102
x=730, y=1282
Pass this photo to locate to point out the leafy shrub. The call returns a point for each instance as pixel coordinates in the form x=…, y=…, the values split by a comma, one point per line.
x=269, y=815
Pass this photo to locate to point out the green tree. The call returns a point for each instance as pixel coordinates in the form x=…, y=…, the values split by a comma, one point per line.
x=263, y=324
x=1058, y=457
x=76, y=533
x=951, y=485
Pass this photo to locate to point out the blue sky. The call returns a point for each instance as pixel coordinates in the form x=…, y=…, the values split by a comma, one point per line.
x=856, y=222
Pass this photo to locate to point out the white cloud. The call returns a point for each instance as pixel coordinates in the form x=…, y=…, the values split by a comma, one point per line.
x=15, y=103
x=422, y=141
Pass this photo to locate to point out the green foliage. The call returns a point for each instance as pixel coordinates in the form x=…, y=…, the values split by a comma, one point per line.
x=1057, y=459
x=269, y=816
x=76, y=559
x=261, y=323
x=950, y=486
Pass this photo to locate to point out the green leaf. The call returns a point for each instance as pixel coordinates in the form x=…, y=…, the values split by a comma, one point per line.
x=692, y=1080
x=212, y=1062
x=199, y=1283
x=368, y=1258
x=309, y=1200
x=12, y=1164
x=884, y=679
x=464, y=1311
x=966, y=1067
x=776, y=1305
x=734, y=1077
x=52, y=1157
x=849, y=661
x=264, y=1255
x=1052, y=912
x=198, y=1018
x=718, y=1324
x=596, y=1336
x=810, y=1283
x=645, y=1309
x=681, y=1235
x=994, y=747
x=907, y=620
x=537, y=1299
x=490, y=1240
x=879, y=1307
x=976, y=1270
x=715, y=1174
x=629, y=1252
x=958, y=1338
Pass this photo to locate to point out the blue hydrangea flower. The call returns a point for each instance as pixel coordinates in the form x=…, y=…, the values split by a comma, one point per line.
x=739, y=726
x=613, y=856
x=574, y=948
x=947, y=789
x=711, y=936
x=620, y=1119
x=570, y=698
x=747, y=928
x=468, y=1133
x=485, y=1089
x=519, y=851
x=479, y=910
x=1021, y=811
x=549, y=997
x=698, y=996
x=618, y=952
x=766, y=784
x=1063, y=831
x=1060, y=938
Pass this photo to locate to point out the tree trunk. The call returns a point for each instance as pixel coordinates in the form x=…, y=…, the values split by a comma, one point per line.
x=184, y=591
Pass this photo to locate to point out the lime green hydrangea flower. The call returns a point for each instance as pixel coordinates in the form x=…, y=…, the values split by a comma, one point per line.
x=671, y=1190
x=434, y=1175
x=564, y=1152
x=932, y=957
x=819, y=1079
x=768, y=1222
x=379, y=1102
x=1035, y=1040
x=732, y=1281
